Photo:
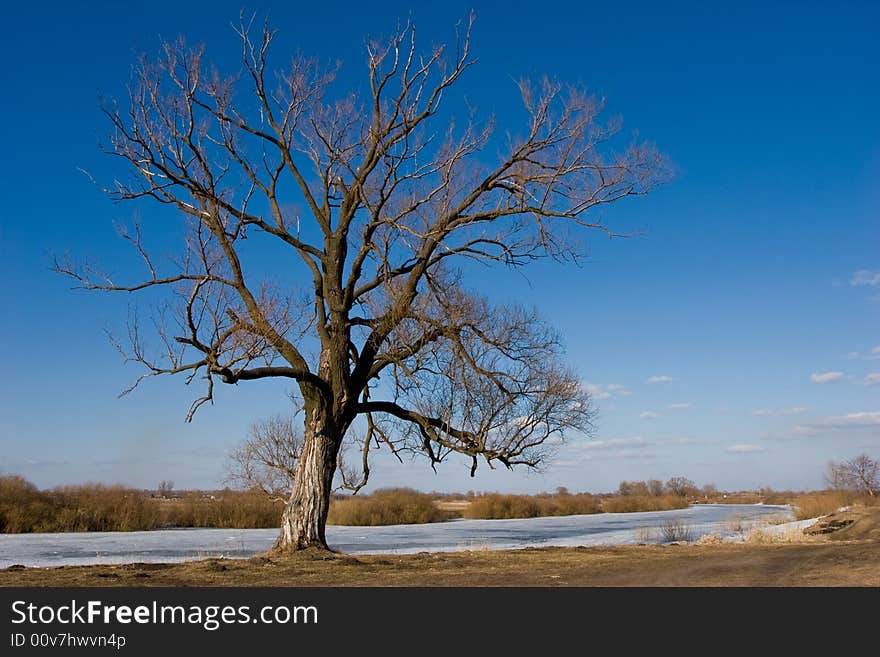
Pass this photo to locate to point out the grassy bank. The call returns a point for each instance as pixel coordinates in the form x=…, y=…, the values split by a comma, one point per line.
x=95, y=507
x=807, y=564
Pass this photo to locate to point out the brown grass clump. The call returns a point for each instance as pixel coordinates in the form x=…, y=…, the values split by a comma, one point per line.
x=224, y=510
x=99, y=508
x=635, y=503
x=392, y=506
x=813, y=505
x=494, y=505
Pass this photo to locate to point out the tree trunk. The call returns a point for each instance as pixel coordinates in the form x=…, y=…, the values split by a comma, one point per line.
x=305, y=516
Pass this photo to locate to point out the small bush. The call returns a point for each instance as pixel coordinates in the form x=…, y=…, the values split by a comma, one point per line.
x=674, y=530
x=392, y=506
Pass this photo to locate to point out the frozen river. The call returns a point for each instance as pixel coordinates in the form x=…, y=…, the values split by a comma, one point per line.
x=189, y=544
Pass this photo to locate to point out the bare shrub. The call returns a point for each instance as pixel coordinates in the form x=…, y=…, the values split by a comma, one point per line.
x=860, y=474
x=674, y=530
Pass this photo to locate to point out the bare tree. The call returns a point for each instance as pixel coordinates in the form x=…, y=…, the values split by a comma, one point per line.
x=633, y=488
x=860, y=474
x=369, y=200
x=266, y=460
x=681, y=486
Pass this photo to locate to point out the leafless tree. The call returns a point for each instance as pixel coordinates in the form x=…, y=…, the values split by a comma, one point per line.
x=681, y=486
x=860, y=473
x=368, y=200
x=633, y=488
x=266, y=460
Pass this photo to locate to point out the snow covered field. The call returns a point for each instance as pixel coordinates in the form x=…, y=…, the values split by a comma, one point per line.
x=725, y=520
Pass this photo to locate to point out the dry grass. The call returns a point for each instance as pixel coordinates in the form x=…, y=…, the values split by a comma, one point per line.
x=96, y=507
x=494, y=505
x=225, y=510
x=820, y=563
x=392, y=506
x=87, y=508
x=636, y=503
x=813, y=505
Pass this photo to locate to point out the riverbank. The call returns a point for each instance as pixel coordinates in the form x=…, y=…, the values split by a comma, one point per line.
x=811, y=564
x=848, y=554
x=171, y=545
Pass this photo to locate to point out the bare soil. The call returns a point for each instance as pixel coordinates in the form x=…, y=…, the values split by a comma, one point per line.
x=847, y=555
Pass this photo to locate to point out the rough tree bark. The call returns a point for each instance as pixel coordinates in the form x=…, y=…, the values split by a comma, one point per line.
x=305, y=514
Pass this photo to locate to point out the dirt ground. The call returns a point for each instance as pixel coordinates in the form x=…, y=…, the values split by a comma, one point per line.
x=847, y=554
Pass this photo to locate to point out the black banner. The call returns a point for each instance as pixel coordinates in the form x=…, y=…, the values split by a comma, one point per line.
x=260, y=621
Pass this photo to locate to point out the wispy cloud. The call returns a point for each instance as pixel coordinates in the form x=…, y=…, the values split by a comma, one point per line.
x=794, y=410
x=634, y=454
x=850, y=421
x=629, y=447
x=865, y=277
x=825, y=377
x=680, y=406
x=606, y=390
x=872, y=354
x=744, y=449
x=872, y=379
x=611, y=443
x=649, y=415
x=659, y=378
x=618, y=389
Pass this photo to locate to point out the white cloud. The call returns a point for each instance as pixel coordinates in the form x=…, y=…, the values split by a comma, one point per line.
x=660, y=378
x=872, y=379
x=569, y=462
x=794, y=410
x=631, y=441
x=681, y=405
x=633, y=454
x=684, y=441
x=595, y=391
x=605, y=390
x=618, y=389
x=853, y=420
x=865, y=277
x=649, y=415
x=744, y=449
x=825, y=377
x=856, y=421
x=872, y=354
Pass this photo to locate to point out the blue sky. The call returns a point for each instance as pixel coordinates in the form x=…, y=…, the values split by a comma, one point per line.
x=735, y=341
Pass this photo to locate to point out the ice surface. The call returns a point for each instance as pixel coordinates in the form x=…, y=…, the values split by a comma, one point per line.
x=189, y=544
